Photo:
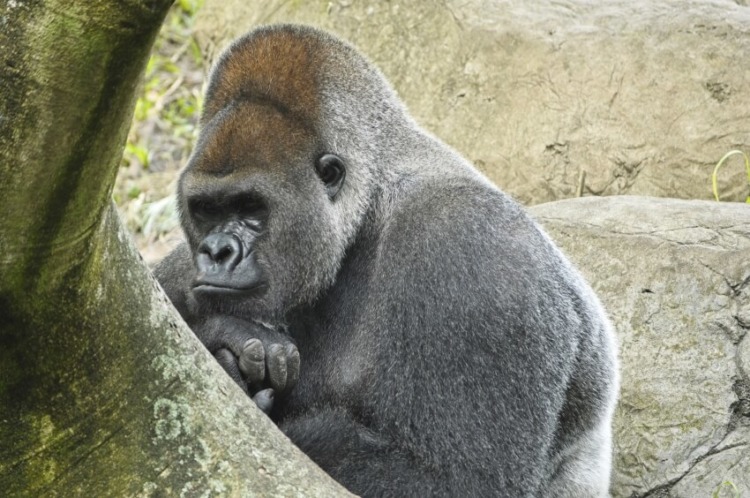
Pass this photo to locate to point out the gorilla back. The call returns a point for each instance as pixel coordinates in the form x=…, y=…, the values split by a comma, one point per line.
x=443, y=344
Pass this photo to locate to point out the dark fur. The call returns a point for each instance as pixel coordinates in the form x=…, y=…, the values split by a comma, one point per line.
x=447, y=347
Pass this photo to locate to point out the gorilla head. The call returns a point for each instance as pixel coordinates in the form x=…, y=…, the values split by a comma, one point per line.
x=278, y=182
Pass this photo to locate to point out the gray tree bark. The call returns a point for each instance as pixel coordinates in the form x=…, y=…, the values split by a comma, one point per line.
x=103, y=389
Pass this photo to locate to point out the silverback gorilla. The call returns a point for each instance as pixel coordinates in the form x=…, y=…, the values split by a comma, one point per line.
x=402, y=320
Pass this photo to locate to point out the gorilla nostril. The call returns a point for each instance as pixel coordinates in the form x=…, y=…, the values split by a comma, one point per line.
x=223, y=253
x=222, y=249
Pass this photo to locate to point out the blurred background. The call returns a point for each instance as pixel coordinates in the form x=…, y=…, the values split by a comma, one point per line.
x=162, y=134
x=550, y=99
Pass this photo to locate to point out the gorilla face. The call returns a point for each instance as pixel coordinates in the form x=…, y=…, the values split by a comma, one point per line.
x=257, y=203
x=225, y=258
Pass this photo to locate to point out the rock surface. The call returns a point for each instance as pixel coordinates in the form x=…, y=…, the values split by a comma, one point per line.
x=553, y=96
x=675, y=278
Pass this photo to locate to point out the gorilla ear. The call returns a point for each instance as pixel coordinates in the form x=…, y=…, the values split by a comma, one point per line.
x=332, y=172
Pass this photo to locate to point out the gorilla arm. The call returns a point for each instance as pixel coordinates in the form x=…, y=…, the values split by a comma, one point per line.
x=263, y=362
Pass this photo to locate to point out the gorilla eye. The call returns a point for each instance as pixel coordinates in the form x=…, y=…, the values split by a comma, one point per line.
x=204, y=209
x=332, y=172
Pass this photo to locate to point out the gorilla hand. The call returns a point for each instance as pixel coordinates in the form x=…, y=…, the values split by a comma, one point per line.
x=263, y=361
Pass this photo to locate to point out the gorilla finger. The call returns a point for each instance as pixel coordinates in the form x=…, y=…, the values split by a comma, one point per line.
x=276, y=366
x=292, y=366
x=264, y=400
x=253, y=361
x=228, y=362
x=236, y=340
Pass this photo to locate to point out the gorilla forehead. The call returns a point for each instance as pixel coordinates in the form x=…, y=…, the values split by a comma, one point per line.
x=253, y=136
x=280, y=65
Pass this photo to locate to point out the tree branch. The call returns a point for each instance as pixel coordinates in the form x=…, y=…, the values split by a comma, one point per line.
x=103, y=389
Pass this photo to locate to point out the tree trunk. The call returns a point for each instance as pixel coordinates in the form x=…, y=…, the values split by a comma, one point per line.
x=103, y=389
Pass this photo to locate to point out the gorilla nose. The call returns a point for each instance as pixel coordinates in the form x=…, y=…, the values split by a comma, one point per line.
x=219, y=252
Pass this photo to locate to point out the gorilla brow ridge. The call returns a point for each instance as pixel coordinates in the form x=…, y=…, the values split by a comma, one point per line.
x=253, y=97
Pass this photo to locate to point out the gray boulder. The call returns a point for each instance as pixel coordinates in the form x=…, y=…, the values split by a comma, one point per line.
x=554, y=97
x=675, y=278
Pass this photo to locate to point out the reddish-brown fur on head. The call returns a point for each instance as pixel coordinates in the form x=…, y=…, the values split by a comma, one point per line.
x=252, y=135
x=279, y=66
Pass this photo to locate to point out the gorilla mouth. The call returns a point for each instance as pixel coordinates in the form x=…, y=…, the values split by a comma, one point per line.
x=218, y=289
x=203, y=288
x=241, y=280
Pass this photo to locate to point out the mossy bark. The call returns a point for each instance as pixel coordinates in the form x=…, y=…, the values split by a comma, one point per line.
x=103, y=389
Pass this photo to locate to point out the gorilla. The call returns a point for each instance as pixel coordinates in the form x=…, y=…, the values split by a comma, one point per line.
x=403, y=321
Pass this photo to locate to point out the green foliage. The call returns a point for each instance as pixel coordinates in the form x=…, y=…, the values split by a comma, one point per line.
x=164, y=128
x=138, y=152
x=167, y=102
x=190, y=7
x=195, y=52
x=134, y=192
x=726, y=485
x=714, y=180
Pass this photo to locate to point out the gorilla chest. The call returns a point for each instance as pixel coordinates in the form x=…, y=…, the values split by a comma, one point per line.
x=338, y=345
x=336, y=367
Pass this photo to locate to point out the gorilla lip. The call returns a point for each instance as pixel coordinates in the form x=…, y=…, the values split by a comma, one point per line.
x=206, y=288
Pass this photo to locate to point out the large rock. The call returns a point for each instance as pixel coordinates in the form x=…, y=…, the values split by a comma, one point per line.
x=675, y=278
x=641, y=96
